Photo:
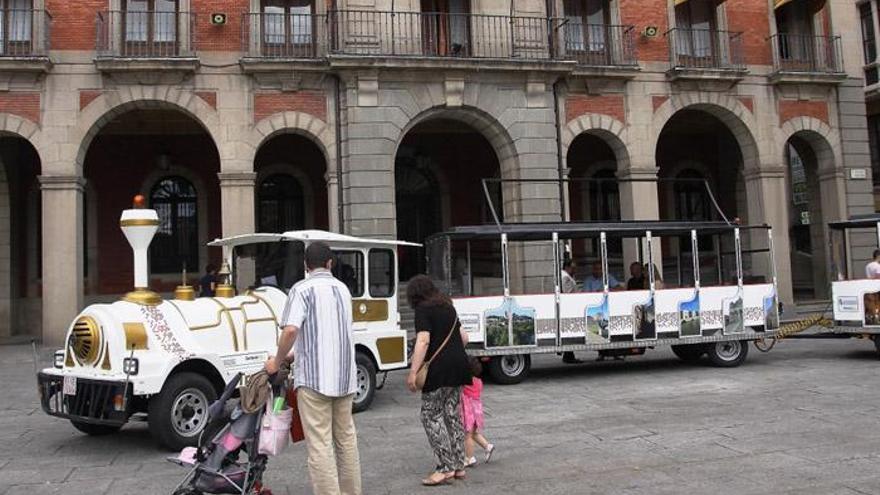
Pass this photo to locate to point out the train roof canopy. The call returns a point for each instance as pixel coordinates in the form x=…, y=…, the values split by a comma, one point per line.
x=331, y=238
x=857, y=222
x=583, y=230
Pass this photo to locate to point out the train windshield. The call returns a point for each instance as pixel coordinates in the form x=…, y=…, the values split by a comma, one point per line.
x=276, y=264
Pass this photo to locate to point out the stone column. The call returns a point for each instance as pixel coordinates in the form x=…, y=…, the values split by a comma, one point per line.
x=332, y=181
x=639, y=200
x=63, y=248
x=237, y=202
x=6, y=277
x=767, y=198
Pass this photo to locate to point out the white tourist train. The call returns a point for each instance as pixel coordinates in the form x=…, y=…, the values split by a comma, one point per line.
x=725, y=297
x=169, y=359
x=855, y=298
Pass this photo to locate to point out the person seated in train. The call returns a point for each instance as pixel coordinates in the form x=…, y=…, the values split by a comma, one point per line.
x=637, y=277
x=593, y=282
x=569, y=268
x=872, y=269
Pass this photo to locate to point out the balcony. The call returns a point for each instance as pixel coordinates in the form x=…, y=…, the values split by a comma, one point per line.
x=146, y=41
x=270, y=39
x=806, y=59
x=598, y=48
x=24, y=41
x=705, y=55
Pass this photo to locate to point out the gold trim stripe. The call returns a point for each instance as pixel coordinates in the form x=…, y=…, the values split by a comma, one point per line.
x=139, y=222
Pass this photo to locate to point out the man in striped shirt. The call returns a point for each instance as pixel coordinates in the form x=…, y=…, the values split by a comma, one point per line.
x=317, y=323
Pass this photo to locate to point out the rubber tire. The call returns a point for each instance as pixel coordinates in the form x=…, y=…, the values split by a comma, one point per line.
x=689, y=353
x=496, y=371
x=159, y=409
x=365, y=364
x=93, y=429
x=722, y=362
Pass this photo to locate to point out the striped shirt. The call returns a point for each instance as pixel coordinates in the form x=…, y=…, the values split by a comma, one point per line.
x=320, y=307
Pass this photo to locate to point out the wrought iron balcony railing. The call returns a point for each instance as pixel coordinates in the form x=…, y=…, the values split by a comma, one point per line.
x=284, y=36
x=807, y=53
x=702, y=49
x=145, y=34
x=24, y=33
x=597, y=45
x=438, y=34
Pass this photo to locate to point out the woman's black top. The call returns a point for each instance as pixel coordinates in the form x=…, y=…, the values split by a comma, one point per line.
x=450, y=368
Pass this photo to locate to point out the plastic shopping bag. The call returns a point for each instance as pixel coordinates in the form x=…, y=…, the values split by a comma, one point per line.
x=274, y=431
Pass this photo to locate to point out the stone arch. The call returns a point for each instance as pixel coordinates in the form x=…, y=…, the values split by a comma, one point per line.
x=111, y=104
x=726, y=108
x=823, y=140
x=486, y=125
x=291, y=122
x=608, y=129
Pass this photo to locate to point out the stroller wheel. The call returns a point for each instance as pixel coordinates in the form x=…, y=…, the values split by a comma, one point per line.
x=187, y=491
x=265, y=491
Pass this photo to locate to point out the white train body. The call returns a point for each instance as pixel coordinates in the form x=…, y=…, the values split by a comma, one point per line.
x=169, y=357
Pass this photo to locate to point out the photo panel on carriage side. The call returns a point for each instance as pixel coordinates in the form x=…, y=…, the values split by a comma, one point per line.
x=760, y=300
x=533, y=272
x=719, y=281
x=470, y=271
x=583, y=303
x=676, y=287
x=631, y=309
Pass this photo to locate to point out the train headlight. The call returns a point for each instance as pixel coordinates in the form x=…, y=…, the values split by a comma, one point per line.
x=58, y=359
x=130, y=366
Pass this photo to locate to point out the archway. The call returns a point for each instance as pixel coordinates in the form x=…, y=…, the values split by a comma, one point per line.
x=291, y=188
x=20, y=246
x=807, y=156
x=439, y=168
x=166, y=155
x=700, y=162
x=594, y=196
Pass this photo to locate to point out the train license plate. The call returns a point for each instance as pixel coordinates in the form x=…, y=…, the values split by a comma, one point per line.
x=69, y=387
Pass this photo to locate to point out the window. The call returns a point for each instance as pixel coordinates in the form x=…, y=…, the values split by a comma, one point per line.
x=691, y=197
x=586, y=27
x=874, y=140
x=695, y=23
x=446, y=27
x=281, y=204
x=150, y=22
x=288, y=27
x=604, y=197
x=16, y=18
x=794, y=25
x=381, y=273
x=348, y=267
x=177, y=241
x=869, y=43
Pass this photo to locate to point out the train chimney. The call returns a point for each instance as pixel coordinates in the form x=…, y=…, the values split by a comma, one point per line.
x=139, y=225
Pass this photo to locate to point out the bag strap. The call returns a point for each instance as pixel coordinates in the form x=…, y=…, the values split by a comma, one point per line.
x=445, y=341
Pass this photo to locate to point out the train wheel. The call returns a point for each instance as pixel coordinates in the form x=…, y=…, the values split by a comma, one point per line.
x=510, y=369
x=366, y=382
x=689, y=353
x=728, y=354
x=876, y=339
x=179, y=413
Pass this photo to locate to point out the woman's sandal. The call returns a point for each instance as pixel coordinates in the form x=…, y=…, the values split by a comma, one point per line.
x=460, y=474
x=437, y=479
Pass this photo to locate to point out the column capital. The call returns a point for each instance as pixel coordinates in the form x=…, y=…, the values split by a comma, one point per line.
x=331, y=177
x=237, y=179
x=62, y=182
x=638, y=173
x=765, y=172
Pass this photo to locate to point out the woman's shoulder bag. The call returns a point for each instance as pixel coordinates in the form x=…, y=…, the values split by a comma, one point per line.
x=422, y=374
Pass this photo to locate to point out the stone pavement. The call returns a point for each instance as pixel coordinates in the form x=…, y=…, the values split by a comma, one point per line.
x=800, y=420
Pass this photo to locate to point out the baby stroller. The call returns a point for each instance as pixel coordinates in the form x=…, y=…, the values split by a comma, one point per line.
x=215, y=464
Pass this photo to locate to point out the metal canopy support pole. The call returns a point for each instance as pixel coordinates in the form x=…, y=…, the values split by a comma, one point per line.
x=470, y=272
x=716, y=240
x=772, y=258
x=557, y=265
x=648, y=243
x=695, y=253
x=738, y=248
x=504, y=268
x=603, y=253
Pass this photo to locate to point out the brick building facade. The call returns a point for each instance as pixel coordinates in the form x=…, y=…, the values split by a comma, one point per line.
x=380, y=118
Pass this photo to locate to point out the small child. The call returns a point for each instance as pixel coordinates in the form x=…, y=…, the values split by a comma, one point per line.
x=472, y=416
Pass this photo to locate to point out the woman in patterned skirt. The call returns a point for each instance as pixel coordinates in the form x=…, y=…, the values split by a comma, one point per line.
x=436, y=322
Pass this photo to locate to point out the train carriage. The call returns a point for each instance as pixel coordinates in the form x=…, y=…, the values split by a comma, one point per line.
x=727, y=299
